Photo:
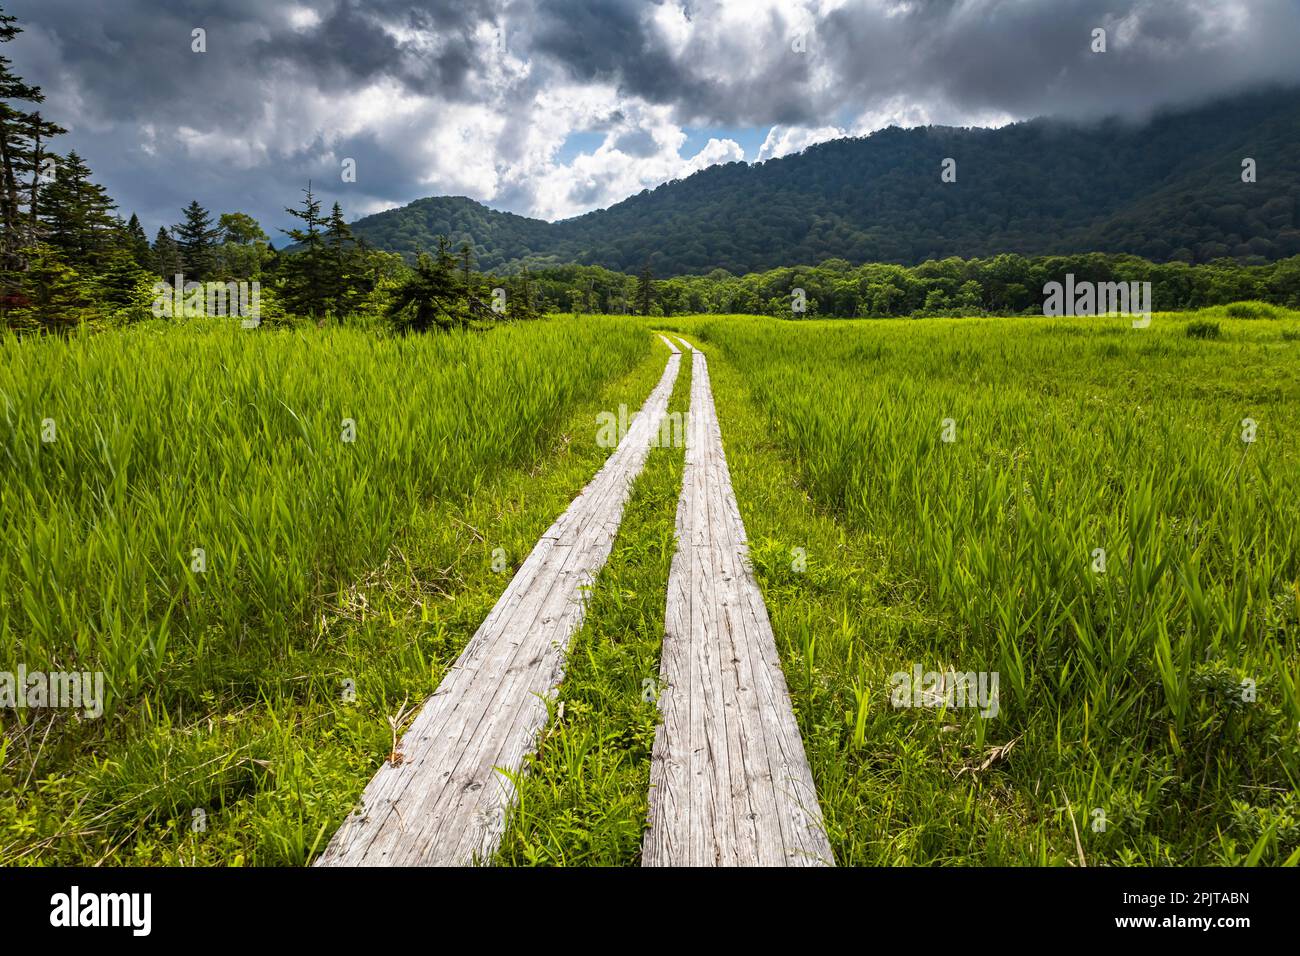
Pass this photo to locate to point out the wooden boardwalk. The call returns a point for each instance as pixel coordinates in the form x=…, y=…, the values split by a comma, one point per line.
x=729, y=782
x=446, y=802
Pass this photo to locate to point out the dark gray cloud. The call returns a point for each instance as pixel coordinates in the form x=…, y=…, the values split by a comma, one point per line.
x=476, y=96
x=614, y=41
x=358, y=41
x=1021, y=57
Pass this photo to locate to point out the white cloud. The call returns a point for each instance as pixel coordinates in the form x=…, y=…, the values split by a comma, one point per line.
x=302, y=18
x=610, y=173
x=784, y=140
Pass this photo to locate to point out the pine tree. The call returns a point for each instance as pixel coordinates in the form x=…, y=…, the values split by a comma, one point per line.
x=165, y=257
x=645, y=290
x=475, y=307
x=306, y=285
x=77, y=215
x=57, y=297
x=121, y=284
x=13, y=146
x=35, y=162
x=348, y=278
x=138, y=241
x=520, y=304
x=428, y=297
x=197, y=240
x=466, y=272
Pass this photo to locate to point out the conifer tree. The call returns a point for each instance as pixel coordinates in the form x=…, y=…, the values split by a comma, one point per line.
x=347, y=278
x=645, y=290
x=428, y=297
x=37, y=163
x=197, y=239
x=77, y=215
x=57, y=299
x=14, y=146
x=520, y=303
x=121, y=283
x=139, y=242
x=165, y=257
x=475, y=307
x=306, y=283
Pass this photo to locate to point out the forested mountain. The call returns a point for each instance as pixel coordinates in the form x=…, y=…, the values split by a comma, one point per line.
x=1169, y=189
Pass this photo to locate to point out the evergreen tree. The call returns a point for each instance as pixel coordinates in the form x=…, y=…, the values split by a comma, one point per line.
x=35, y=162
x=645, y=290
x=139, y=242
x=475, y=307
x=57, y=299
x=348, y=278
x=77, y=215
x=305, y=275
x=165, y=257
x=197, y=240
x=466, y=272
x=428, y=297
x=122, y=284
x=522, y=301
x=15, y=146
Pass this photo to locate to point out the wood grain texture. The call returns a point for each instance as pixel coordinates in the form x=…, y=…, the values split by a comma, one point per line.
x=446, y=802
x=729, y=782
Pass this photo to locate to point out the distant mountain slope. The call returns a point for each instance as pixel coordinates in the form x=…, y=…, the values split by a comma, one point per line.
x=1170, y=188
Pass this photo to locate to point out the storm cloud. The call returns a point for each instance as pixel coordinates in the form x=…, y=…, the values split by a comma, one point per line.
x=487, y=99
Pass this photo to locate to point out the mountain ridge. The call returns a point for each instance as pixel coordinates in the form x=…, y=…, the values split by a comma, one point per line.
x=1170, y=188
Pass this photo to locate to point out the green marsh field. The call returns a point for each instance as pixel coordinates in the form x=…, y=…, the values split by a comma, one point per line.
x=273, y=543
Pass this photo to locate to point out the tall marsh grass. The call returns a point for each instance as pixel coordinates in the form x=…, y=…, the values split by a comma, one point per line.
x=291, y=459
x=1099, y=532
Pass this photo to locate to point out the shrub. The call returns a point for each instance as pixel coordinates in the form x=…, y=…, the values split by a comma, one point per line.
x=1250, y=310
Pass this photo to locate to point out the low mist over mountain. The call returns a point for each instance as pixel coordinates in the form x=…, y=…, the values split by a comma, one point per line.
x=1169, y=189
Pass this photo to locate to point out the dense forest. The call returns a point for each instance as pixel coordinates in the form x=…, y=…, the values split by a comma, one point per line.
x=1169, y=190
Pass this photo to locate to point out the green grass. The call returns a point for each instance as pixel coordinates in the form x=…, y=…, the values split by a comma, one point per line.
x=368, y=566
x=1121, y=692
x=332, y=567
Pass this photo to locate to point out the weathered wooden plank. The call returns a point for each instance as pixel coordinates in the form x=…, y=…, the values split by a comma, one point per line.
x=446, y=802
x=730, y=784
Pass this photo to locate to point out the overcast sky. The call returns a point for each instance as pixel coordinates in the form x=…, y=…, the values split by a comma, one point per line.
x=550, y=109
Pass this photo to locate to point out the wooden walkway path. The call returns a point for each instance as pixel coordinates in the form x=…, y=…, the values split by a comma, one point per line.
x=729, y=782
x=446, y=802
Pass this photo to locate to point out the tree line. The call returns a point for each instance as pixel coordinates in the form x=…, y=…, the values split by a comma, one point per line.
x=1006, y=284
